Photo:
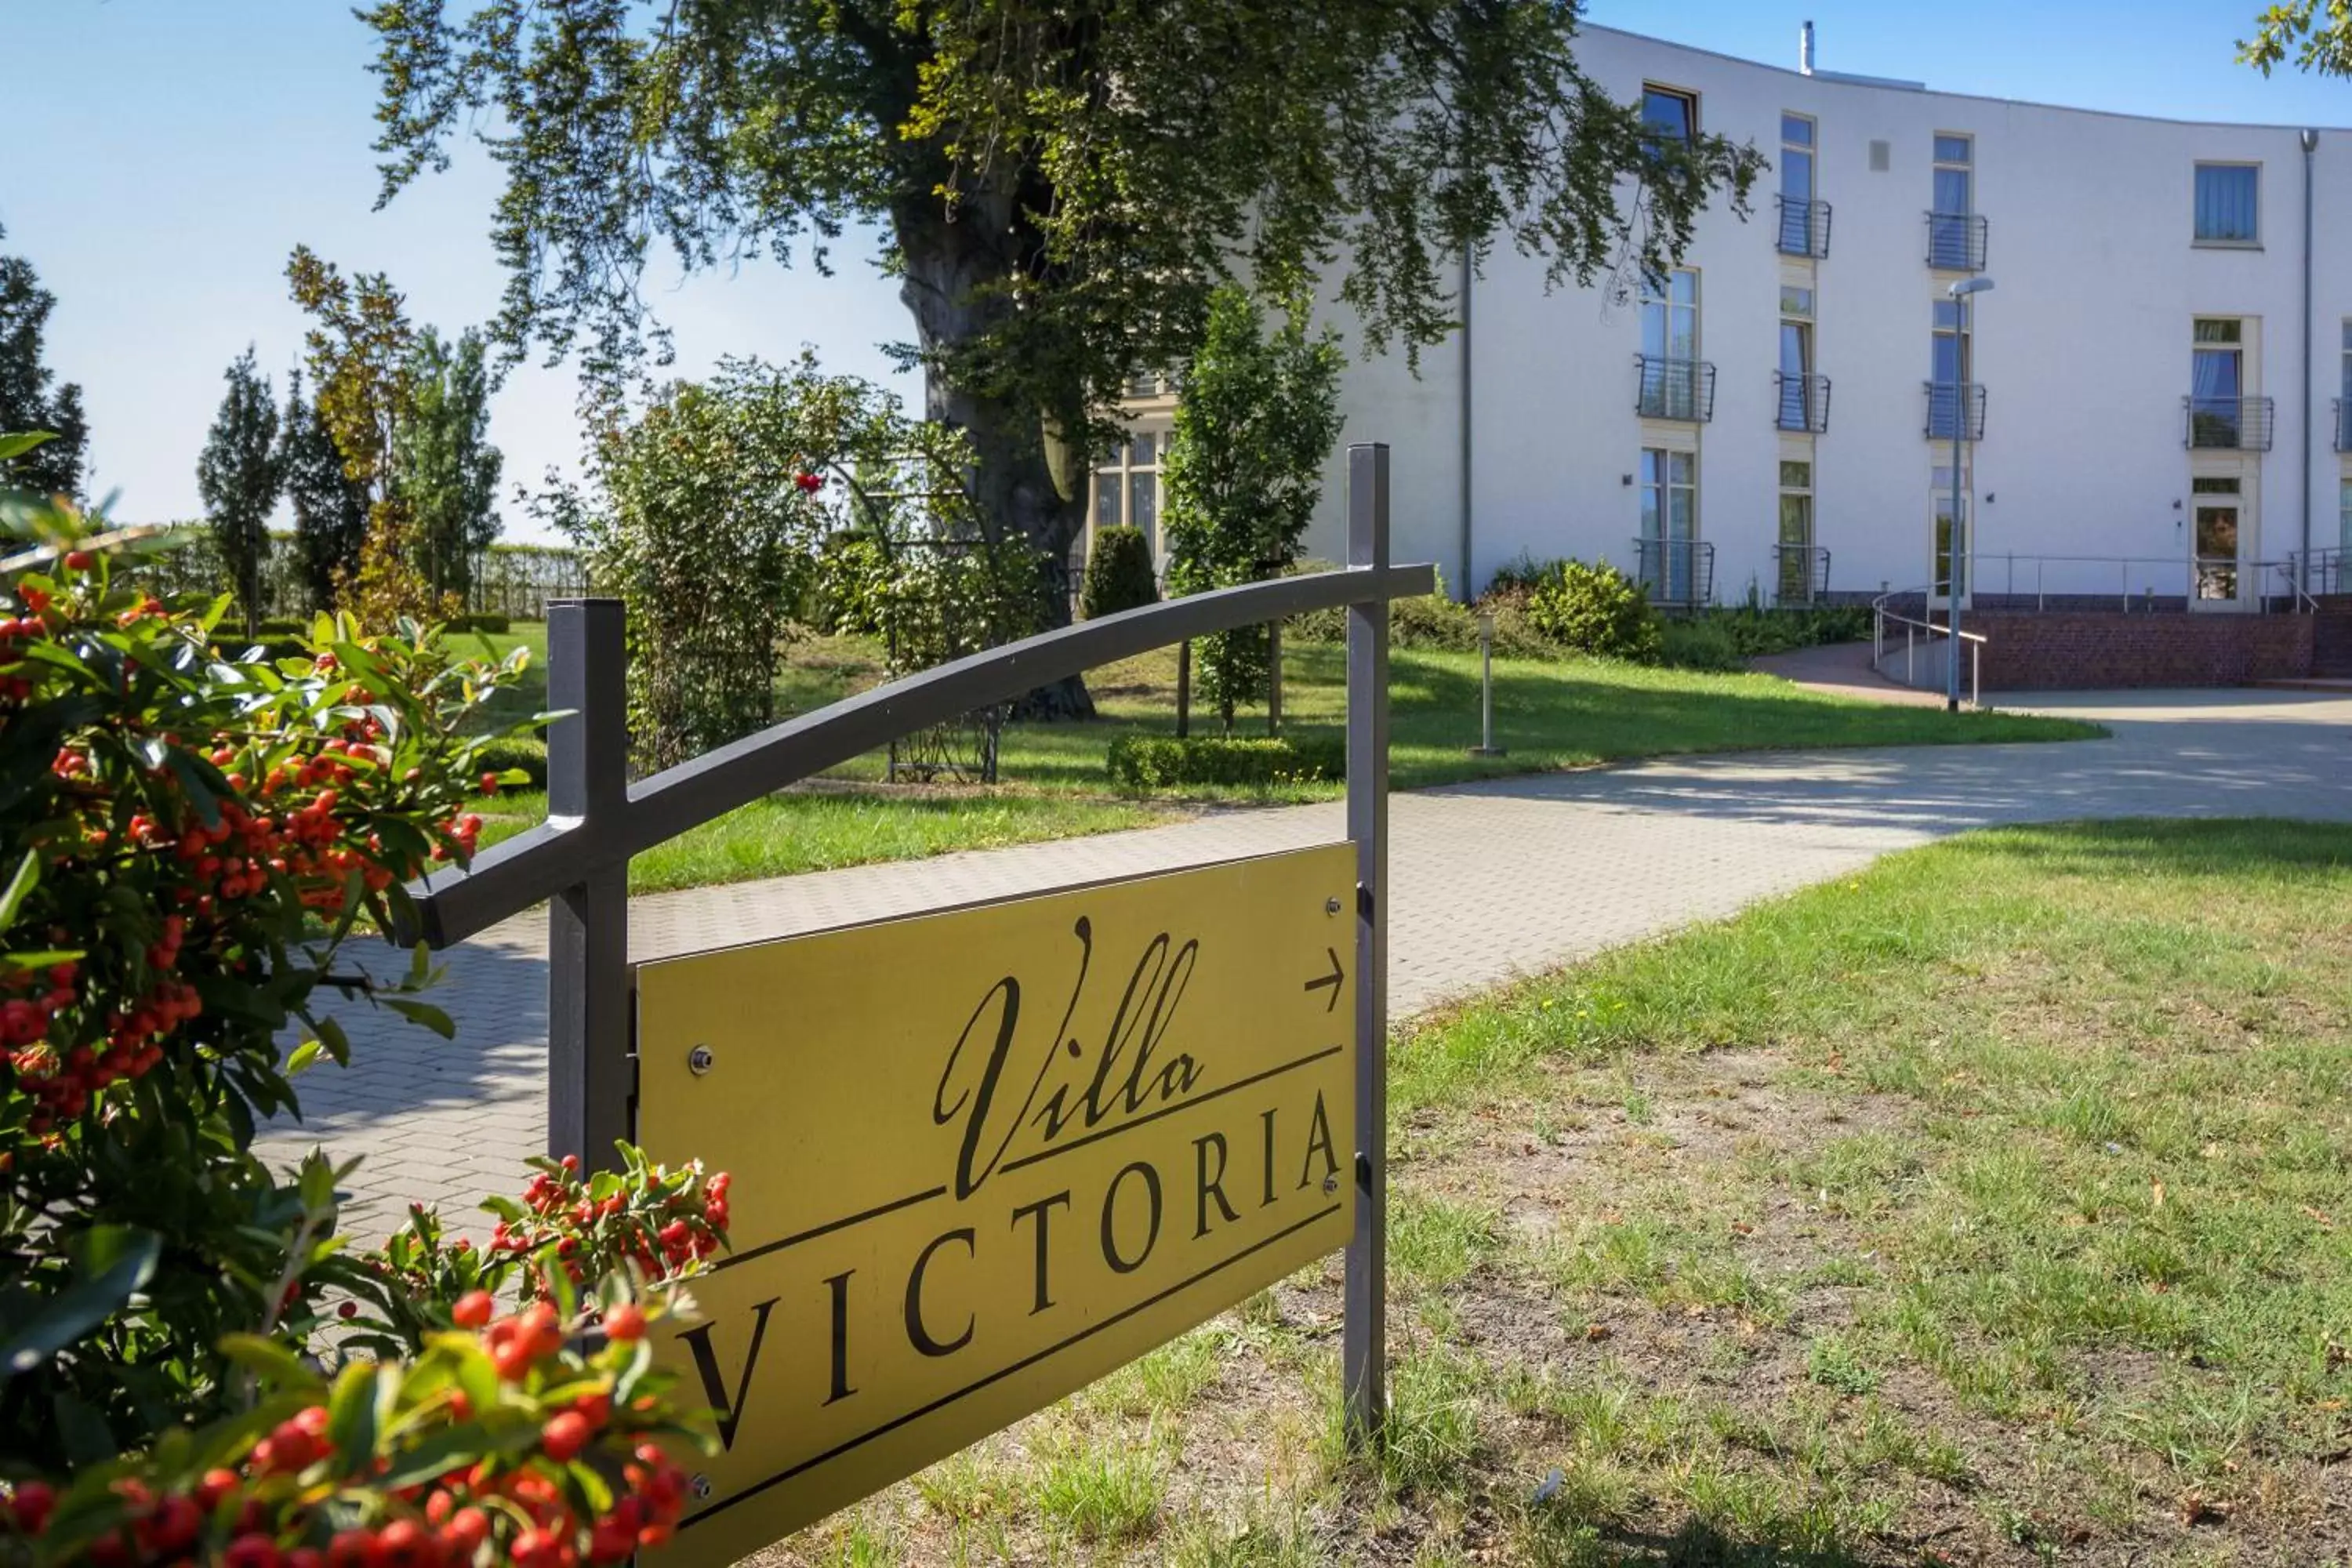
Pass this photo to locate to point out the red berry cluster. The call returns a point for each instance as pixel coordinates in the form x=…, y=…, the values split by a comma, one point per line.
x=664, y=1224
x=290, y=1500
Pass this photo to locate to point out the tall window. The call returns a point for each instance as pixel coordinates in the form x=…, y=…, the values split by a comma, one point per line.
x=1669, y=114
x=1940, y=500
x=1796, y=185
x=1950, y=371
x=2229, y=204
x=2343, y=405
x=2216, y=381
x=1127, y=485
x=1798, y=395
x=1949, y=227
x=1797, y=583
x=1670, y=344
x=1669, y=523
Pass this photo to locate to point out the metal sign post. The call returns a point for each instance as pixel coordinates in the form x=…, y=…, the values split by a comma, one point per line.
x=1364, y=1334
x=588, y=1070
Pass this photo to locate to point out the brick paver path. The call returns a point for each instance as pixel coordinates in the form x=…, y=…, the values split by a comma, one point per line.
x=1489, y=881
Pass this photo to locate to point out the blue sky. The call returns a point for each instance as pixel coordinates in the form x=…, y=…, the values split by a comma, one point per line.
x=168, y=153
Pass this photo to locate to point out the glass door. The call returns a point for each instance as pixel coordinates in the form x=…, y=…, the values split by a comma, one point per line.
x=2217, y=569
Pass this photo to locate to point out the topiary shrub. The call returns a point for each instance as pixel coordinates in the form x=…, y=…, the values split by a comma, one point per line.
x=1595, y=609
x=1119, y=573
x=520, y=760
x=1146, y=762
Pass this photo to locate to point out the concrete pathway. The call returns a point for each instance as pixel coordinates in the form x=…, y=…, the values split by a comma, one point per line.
x=1490, y=881
x=1845, y=669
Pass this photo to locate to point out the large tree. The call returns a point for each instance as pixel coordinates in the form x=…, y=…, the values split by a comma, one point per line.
x=331, y=507
x=2319, y=39
x=239, y=474
x=444, y=465
x=1059, y=183
x=28, y=399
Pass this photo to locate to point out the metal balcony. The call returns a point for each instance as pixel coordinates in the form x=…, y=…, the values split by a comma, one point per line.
x=1804, y=227
x=1944, y=401
x=1676, y=572
x=1956, y=242
x=2343, y=432
x=1682, y=389
x=2228, y=424
x=1801, y=574
x=1800, y=402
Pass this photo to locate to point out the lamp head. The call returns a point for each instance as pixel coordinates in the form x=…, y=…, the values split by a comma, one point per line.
x=1970, y=285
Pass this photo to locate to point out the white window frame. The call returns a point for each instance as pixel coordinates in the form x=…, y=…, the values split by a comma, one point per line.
x=1121, y=463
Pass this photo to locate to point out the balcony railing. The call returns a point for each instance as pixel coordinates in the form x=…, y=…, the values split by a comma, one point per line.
x=2343, y=429
x=1801, y=574
x=1680, y=389
x=1804, y=227
x=2230, y=424
x=1956, y=242
x=1800, y=402
x=1947, y=402
x=1676, y=572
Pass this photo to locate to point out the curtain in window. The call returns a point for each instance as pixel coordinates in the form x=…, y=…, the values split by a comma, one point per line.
x=2226, y=203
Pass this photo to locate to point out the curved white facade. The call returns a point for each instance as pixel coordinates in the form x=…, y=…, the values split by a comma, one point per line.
x=2086, y=350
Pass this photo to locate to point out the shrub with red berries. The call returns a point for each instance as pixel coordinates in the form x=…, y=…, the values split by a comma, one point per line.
x=191, y=836
x=541, y=1437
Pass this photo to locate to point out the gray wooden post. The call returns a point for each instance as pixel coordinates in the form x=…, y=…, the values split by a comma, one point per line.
x=1364, y=1334
x=1274, y=677
x=589, y=1078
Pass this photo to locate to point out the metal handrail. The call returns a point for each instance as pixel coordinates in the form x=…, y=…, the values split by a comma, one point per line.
x=540, y=861
x=1804, y=226
x=2185, y=566
x=1912, y=627
x=1815, y=569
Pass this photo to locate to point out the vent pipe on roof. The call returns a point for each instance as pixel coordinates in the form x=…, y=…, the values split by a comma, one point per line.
x=1805, y=48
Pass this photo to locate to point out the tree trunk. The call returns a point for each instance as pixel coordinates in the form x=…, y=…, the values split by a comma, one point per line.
x=946, y=263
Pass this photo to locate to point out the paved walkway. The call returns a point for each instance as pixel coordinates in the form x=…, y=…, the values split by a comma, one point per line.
x=1490, y=881
x=1844, y=668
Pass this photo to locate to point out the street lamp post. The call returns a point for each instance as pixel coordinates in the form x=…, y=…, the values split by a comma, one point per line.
x=1953, y=555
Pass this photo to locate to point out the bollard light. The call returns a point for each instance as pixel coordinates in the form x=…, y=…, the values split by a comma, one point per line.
x=1486, y=747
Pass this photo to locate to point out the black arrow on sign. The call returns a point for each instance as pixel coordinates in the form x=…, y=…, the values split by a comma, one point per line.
x=1333, y=981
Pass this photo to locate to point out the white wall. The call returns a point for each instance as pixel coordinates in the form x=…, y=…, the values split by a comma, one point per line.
x=2083, y=348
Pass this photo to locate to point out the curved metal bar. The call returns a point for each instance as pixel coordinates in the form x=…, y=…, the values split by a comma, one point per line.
x=511, y=876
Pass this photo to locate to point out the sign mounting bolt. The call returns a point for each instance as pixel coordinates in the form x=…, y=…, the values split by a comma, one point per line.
x=1331, y=905
x=701, y=1060
x=700, y=1487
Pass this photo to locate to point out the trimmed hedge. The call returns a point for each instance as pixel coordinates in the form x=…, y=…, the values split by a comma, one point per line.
x=500, y=625
x=1164, y=762
x=1119, y=573
x=517, y=752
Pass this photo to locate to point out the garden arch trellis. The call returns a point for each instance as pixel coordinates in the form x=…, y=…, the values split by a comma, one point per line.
x=578, y=859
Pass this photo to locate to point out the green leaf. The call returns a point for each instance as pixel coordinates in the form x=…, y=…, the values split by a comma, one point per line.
x=302, y=1056
x=338, y=1044
x=28, y=876
x=363, y=1393
x=275, y=1364
x=110, y=1263
x=423, y=1013
x=16, y=446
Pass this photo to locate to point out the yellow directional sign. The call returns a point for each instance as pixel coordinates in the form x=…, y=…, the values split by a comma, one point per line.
x=986, y=1155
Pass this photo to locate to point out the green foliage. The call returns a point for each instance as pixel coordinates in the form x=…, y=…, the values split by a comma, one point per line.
x=1755, y=631
x=519, y=760
x=1119, y=573
x=239, y=475
x=1060, y=188
x=331, y=507
x=1165, y=761
x=1255, y=417
x=1700, y=642
x=446, y=468
x=2319, y=43
x=29, y=400
x=1594, y=609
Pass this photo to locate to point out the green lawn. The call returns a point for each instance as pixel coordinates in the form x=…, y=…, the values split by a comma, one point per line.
x=1547, y=716
x=1989, y=1207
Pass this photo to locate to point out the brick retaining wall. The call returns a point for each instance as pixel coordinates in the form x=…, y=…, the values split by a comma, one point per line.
x=2028, y=652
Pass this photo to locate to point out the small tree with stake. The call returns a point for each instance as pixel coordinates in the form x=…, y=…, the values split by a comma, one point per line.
x=1255, y=416
x=239, y=475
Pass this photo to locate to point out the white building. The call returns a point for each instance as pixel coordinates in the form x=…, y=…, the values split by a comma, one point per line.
x=2159, y=375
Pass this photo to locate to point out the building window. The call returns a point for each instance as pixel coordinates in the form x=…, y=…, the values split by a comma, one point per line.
x=1802, y=233
x=1949, y=372
x=1950, y=230
x=1798, y=579
x=2343, y=518
x=1797, y=392
x=1127, y=485
x=2229, y=204
x=1671, y=380
x=1940, y=500
x=2216, y=388
x=1669, y=523
x=1669, y=115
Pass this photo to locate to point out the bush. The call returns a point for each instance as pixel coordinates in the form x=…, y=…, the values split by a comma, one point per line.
x=1755, y=631
x=1594, y=609
x=1700, y=643
x=519, y=760
x=1119, y=573
x=497, y=625
x=1166, y=762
